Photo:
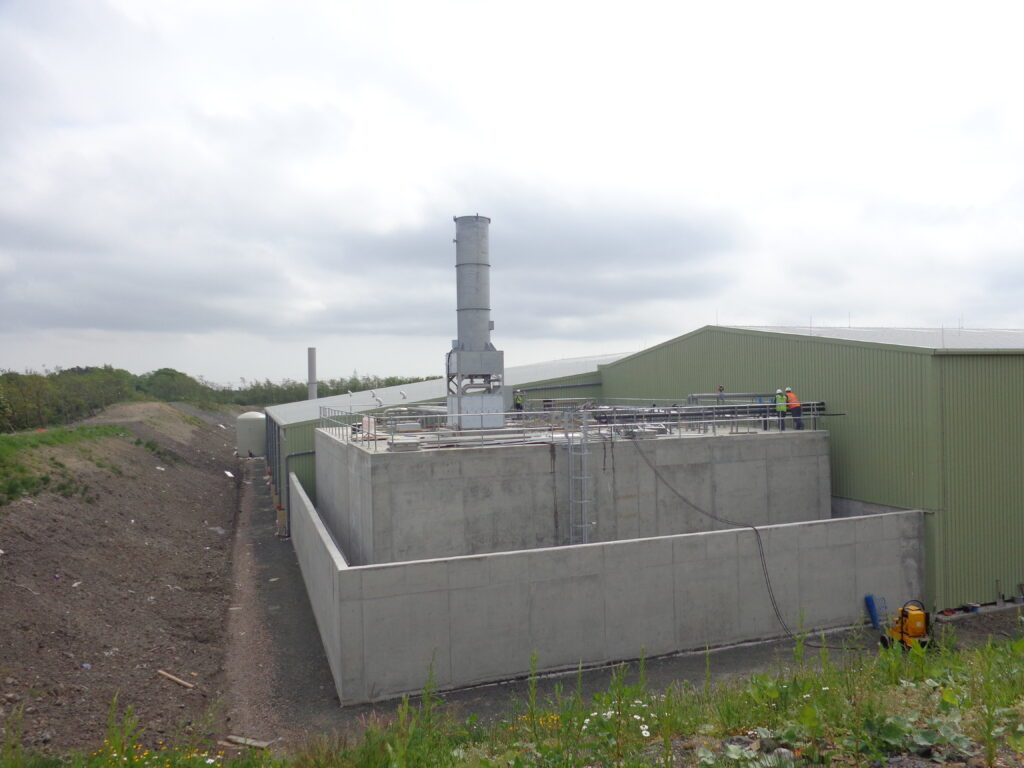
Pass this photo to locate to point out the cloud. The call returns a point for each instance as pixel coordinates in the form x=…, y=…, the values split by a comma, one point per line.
x=165, y=263
x=223, y=169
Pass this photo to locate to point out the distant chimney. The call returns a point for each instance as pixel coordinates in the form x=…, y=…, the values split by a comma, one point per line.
x=311, y=378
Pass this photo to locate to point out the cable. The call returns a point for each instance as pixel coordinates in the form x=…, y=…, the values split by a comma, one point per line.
x=734, y=524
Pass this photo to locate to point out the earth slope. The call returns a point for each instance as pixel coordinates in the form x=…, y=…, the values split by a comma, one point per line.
x=129, y=575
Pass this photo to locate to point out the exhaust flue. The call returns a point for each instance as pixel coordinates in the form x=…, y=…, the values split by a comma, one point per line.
x=475, y=368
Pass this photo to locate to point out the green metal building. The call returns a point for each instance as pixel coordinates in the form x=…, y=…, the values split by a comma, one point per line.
x=932, y=420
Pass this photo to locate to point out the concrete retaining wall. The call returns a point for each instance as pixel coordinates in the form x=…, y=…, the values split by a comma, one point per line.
x=321, y=562
x=478, y=618
x=347, y=509
x=387, y=507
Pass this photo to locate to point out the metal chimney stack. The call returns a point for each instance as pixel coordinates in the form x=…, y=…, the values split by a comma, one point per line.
x=475, y=368
x=473, y=279
x=311, y=376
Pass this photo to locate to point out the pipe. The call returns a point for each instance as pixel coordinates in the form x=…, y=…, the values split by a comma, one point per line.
x=273, y=455
x=311, y=376
x=869, y=602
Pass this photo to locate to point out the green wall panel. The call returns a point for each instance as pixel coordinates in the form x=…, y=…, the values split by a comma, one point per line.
x=581, y=386
x=983, y=518
x=296, y=438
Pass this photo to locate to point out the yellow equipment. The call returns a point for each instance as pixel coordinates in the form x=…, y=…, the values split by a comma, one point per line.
x=909, y=627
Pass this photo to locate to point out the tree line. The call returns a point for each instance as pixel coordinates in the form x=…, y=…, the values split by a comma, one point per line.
x=36, y=400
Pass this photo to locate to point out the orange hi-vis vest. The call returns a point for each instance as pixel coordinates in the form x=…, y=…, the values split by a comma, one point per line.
x=792, y=401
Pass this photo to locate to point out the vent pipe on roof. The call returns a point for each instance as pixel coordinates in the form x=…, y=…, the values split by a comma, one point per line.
x=311, y=377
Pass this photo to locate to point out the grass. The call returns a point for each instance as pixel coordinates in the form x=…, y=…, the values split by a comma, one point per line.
x=941, y=705
x=153, y=447
x=20, y=474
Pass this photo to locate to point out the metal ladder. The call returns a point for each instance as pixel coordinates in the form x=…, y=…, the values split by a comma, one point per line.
x=580, y=492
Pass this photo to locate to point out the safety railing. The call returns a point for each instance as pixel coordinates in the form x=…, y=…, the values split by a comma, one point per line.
x=412, y=429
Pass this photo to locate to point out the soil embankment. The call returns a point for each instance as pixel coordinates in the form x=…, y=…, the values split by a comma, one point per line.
x=126, y=575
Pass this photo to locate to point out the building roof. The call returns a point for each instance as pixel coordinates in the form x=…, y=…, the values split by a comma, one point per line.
x=404, y=394
x=926, y=338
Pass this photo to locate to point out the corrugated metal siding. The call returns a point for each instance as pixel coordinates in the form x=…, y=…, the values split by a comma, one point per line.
x=983, y=519
x=882, y=450
x=581, y=385
x=296, y=438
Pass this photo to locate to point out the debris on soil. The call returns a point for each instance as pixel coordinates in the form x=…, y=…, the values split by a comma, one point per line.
x=176, y=679
x=246, y=742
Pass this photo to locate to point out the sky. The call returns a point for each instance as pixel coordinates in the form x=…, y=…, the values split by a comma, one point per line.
x=217, y=185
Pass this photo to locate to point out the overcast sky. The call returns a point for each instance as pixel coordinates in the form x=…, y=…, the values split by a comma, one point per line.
x=216, y=185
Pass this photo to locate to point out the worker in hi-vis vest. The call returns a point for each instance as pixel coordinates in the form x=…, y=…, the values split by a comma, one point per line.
x=780, y=409
x=794, y=408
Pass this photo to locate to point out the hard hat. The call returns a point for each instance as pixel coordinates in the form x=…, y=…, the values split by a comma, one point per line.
x=788, y=389
x=778, y=391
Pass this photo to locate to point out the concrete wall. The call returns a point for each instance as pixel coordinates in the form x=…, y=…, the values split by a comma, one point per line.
x=478, y=618
x=320, y=561
x=348, y=492
x=756, y=479
x=387, y=507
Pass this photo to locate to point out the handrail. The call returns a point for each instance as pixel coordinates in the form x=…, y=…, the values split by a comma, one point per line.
x=424, y=431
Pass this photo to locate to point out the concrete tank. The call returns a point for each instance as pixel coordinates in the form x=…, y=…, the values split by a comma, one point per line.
x=251, y=434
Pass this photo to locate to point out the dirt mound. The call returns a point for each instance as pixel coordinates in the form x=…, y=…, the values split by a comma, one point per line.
x=128, y=574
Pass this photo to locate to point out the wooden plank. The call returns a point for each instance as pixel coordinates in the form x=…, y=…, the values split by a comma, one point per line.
x=177, y=680
x=249, y=742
